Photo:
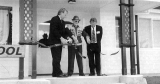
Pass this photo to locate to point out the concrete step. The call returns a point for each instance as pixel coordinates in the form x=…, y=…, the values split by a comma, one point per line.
x=86, y=80
x=125, y=79
x=25, y=81
x=68, y=80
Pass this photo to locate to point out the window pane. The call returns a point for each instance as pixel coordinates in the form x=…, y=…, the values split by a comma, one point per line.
x=118, y=32
x=5, y=25
x=156, y=33
x=145, y=34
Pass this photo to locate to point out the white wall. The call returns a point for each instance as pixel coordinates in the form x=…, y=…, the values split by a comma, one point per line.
x=110, y=64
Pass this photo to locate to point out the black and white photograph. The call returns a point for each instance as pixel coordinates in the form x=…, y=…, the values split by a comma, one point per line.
x=79, y=41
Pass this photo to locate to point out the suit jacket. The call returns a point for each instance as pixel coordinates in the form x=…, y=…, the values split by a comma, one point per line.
x=99, y=32
x=57, y=30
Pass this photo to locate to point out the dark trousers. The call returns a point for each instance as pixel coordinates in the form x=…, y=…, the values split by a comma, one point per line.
x=72, y=52
x=93, y=52
x=56, y=56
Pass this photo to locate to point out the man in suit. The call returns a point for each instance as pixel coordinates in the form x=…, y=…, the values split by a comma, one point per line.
x=74, y=49
x=58, y=34
x=93, y=35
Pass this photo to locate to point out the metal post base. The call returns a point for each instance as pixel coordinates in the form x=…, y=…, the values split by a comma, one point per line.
x=21, y=68
x=21, y=74
x=133, y=71
x=34, y=74
x=124, y=71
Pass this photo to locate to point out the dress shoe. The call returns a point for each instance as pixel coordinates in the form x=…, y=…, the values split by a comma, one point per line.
x=54, y=76
x=65, y=75
x=99, y=75
x=91, y=74
x=62, y=75
x=69, y=74
x=81, y=75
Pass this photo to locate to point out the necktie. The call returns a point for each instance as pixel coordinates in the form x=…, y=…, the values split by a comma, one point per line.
x=93, y=36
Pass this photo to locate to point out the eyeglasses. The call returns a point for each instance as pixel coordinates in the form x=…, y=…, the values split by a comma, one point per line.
x=76, y=21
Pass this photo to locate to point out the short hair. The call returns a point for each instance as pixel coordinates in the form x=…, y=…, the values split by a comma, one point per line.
x=93, y=20
x=62, y=10
x=45, y=34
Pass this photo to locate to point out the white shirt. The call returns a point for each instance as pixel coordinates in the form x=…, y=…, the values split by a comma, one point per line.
x=95, y=33
x=59, y=17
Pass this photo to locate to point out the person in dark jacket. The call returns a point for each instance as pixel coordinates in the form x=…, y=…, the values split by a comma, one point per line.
x=58, y=34
x=44, y=41
x=93, y=36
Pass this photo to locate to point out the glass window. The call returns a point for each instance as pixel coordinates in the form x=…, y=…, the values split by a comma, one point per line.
x=156, y=33
x=118, y=32
x=145, y=33
x=5, y=25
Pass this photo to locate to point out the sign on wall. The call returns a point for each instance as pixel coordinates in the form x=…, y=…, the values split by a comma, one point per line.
x=11, y=51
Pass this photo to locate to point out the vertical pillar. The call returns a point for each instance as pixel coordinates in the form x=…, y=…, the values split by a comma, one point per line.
x=132, y=47
x=34, y=47
x=21, y=68
x=137, y=44
x=127, y=24
x=123, y=48
x=28, y=28
x=124, y=63
x=21, y=18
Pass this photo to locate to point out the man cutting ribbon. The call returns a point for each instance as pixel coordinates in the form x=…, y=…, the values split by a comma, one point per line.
x=58, y=35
